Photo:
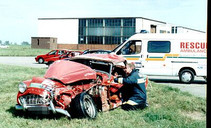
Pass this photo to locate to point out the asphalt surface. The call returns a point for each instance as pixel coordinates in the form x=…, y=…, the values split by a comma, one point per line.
x=22, y=61
x=197, y=88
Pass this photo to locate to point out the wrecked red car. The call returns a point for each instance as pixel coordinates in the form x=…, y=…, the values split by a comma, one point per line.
x=79, y=87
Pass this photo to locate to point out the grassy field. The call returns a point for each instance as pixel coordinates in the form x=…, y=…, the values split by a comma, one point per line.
x=17, y=50
x=168, y=107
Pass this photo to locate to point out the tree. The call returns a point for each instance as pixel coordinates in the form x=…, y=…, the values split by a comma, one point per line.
x=6, y=43
x=25, y=43
x=0, y=42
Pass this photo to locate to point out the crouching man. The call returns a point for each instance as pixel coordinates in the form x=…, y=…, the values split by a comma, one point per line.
x=133, y=91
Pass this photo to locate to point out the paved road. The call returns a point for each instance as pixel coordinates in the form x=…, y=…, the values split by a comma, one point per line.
x=198, y=87
x=22, y=61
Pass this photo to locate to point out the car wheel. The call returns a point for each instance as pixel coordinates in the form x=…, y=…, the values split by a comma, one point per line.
x=84, y=106
x=186, y=76
x=40, y=60
x=50, y=62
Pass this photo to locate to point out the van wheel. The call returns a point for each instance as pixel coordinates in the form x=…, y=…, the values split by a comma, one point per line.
x=186, y=76
x=84, y=106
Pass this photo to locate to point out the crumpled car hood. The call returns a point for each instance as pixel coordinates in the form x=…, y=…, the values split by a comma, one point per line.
x=112, y=58
x=69, y=72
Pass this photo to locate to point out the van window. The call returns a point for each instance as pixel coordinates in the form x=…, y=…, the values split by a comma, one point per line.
x=131, y=47
x=158, y=47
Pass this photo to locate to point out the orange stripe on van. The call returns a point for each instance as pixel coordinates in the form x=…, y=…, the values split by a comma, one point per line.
x=161, y=58
x=132, y=58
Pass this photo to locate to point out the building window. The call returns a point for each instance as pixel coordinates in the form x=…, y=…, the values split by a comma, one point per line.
x=173, y=29
x=95, y=40
x=38, y=42
x=82, y=28
x=128, y=31
x=82, y=40
x=128, y=27
x=112, y=31
x=82, y=22
x=95, y=31
x=153, y=29
x=162, y=31
x=112, y=22
x=129, y=22
x=95, y=22
x=112, y=40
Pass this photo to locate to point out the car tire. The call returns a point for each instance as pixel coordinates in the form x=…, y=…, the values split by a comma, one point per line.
x=83, y=106
x=186, y=76
x=40, y=60
x=50, y=62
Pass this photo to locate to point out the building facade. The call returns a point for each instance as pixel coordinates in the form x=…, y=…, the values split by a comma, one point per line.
x=102, y=31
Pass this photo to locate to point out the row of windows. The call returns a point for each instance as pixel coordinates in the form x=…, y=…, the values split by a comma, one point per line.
x=127, y=22
x=99, y=39
x=108, y=31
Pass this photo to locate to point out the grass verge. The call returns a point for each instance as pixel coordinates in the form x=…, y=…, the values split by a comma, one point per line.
x=18, y=50
x=168, y=107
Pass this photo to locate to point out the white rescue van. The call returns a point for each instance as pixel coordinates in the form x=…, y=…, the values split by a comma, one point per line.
x=183, y=55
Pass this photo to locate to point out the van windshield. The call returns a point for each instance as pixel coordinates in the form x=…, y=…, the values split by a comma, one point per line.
x=115, y=49
x=129, y=48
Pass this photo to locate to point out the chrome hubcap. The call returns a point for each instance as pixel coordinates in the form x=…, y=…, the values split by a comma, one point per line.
x=186, y=76
x=89, y=106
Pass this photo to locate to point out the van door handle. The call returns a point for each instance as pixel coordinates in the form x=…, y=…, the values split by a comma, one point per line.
x=147, y=56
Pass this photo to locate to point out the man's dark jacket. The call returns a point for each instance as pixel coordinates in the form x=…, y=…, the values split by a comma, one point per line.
x=133, y=87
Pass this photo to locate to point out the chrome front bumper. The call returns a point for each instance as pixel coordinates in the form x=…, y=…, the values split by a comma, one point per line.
x=42, y=109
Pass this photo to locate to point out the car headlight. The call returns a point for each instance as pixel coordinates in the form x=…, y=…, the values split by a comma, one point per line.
x=22, y=87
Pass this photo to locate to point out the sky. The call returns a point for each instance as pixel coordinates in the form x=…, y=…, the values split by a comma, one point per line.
x=19, y=18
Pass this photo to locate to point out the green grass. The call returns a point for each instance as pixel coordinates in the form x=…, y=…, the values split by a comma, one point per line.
x=18, y=50
x=168, y=107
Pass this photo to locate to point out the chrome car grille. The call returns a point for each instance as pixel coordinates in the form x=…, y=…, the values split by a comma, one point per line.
x=34, y=100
